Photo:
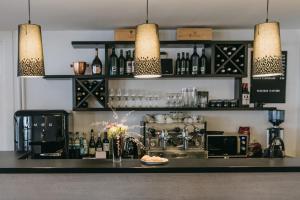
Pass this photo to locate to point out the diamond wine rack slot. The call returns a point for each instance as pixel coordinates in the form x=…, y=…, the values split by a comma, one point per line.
x=89, y=93
x=231, y=59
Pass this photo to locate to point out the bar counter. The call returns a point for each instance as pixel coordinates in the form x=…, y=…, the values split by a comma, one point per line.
x=10, y=163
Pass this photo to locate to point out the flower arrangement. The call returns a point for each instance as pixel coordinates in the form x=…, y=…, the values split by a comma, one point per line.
x=114, y=129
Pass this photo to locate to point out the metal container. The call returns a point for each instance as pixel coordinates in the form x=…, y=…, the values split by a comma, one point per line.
x=79, y=67
x=276, y=117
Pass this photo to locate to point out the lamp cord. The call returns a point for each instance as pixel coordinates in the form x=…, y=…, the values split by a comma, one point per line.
x=147, y=11
x=29, y=17
x=267, y=19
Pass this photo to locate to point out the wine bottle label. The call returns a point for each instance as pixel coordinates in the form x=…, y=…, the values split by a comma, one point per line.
x=105, y=146
x=202, y=69
x=96, y=70
x=92, y=151
x=121, y=70
x=128, y=67
x=194, y=69
x=132, y=66
x=245, y=99
x=99, y=149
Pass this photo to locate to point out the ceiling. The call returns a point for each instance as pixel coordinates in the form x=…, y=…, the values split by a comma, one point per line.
x=108, y=14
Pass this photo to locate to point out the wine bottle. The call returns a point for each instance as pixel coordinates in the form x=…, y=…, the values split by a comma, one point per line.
x=92, y=145
x=113, y=63
x=96, y=64
x=81, y=147
x=85, y=145
x=99, y=144
x=128, y=64
x=178, y=64
x=195, y=62
x=105, y=144
x=77, y=146
x=187, y=63
x=203, y=62
x=245, y=95
x=182, y=64
x=122, y=64
x=133, y=62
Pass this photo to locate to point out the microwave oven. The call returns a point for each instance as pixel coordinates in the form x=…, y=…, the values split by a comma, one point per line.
x=227, y=145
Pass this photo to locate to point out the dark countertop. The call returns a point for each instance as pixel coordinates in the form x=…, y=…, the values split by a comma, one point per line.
x=9, y=163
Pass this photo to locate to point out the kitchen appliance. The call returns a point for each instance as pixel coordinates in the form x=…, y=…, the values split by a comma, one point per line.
x=41, y=133
x=276, y=117
x=227, y=145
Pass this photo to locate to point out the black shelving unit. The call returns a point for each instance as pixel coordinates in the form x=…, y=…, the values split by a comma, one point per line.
x=239, y=49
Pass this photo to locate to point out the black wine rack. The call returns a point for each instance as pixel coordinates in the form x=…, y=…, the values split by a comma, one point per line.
x=230, y=59
x=89, y=93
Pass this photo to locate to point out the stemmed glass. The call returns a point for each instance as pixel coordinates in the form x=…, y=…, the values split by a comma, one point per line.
x=112, y=97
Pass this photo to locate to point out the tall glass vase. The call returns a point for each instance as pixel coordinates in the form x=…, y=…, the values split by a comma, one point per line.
x=117, y=148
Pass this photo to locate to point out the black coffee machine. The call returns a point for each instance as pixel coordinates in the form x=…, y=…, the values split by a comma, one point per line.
x=41, y=134
x=275, y=144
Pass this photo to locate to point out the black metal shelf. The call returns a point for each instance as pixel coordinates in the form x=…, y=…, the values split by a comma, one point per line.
x=164, y=44
x=178, y=109
x=131, y=77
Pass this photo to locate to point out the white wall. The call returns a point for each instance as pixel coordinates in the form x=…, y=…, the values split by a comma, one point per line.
x=57, y=94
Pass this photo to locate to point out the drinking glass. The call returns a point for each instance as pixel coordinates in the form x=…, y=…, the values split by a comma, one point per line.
x=112, y=97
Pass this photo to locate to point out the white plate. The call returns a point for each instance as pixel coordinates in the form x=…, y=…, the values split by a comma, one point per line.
x=155, y=163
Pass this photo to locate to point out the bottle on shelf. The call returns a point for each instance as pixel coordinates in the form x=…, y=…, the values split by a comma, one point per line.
x=133, y=61
x=77, y=146
x=195, y=62
x=81, y=147
x=84, y=105
x=245, y=95
x=113, y=63
x=85, y=145
x=92, y=145
x=203, y=62
x=122, y=64
x=182, y=64
x=128, y=63
x=97, y=65
x=99, y=144
x=105, y=144
x=187, y=64
x=178, y=65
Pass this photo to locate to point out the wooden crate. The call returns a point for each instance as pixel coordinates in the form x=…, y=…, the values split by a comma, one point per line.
x=194, y=34
x=125, y=34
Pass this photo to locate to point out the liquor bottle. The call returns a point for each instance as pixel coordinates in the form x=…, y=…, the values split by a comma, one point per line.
x=122, y=64
x=182, y=64
x=128, y=64
x=113, y=63
x=187, y=63
x=96, y=64
x=195, y=62
x=99, y=144
x=71, y=146
x=77, y=146
x=105, y=144
x=92, y=145
x=85, y=145
x=133, y=61
x=245, y=95
x=203, y=62
x=81, y=147
x=178, y=64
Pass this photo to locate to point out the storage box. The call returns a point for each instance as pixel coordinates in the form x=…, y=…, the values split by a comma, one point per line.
x=125, y=34
x=194, y=34
x=167, y=66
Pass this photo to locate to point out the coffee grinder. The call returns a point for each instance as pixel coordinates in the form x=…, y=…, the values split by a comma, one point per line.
x=276, y=117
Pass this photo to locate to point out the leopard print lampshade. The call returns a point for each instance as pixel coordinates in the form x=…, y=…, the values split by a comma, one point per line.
x=30, y=49
x=267, y=50
x=147, y=52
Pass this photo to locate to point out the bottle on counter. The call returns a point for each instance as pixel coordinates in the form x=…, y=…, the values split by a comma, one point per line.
x=203, y=62
x=81, y=147
x=85, y=145
x=187, y=63
x=99, y=144
x=122, y=64
x=178, y=65
x=71, y=145
x=182, y=64
x=92, y=145
x=105, y=144
x=113, y=63
x=245, y=95
x=77, y=146
x=195, y=62
x=96, y=64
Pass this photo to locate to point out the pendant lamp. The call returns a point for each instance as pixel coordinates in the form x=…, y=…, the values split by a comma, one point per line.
x=267, y=49
x=147, y=51
x=30, y=49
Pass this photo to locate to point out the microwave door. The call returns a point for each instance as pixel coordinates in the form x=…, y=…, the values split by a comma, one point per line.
x=230, y=145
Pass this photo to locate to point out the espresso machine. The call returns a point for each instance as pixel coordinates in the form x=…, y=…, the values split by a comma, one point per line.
x=276, y=117
x=41, y=134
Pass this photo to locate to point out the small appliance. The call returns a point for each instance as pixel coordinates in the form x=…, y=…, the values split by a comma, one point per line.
x=41, y=133
x=276, y=117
